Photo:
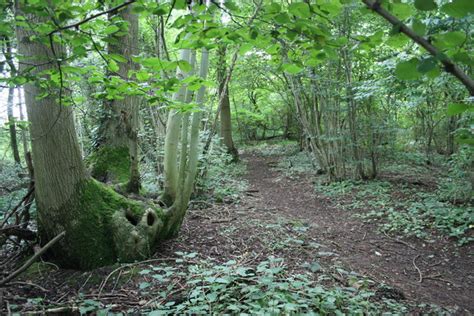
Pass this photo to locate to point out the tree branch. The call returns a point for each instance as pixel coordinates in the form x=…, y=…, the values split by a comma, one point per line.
x=77, y=24
x=32, y=259
x=449, y=65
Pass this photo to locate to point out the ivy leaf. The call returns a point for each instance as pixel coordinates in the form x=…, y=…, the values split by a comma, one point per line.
x=425, y=5
x=407, y=70
x=458, y=8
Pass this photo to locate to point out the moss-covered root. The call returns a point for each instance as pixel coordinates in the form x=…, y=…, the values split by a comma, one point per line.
x=110, y=164
x=135, y=237
x=102, y=227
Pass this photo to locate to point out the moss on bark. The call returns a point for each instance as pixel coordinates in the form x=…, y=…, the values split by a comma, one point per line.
x=110, y=164
x=102, y=227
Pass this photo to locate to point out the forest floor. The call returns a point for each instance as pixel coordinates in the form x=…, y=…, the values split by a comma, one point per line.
x=280, y=216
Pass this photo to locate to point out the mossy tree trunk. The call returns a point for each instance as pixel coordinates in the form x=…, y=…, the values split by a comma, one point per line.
x=226, y=118
x=101, y=226
x=116, y=157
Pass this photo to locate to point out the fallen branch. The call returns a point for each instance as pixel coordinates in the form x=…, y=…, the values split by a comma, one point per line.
x=418, y=269
x=15, y=230
x=399, y=241
x=15, y=209
x=32, y=259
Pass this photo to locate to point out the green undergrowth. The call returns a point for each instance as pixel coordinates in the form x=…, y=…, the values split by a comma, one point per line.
x=220, y=178
x=273, y=148
x=403, y=209
x=194, y=286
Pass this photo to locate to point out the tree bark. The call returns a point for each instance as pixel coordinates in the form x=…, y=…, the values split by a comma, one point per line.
x=12, y=126
x=101, y=226
x=226, y=119
x=7, y=52
x=116, y=157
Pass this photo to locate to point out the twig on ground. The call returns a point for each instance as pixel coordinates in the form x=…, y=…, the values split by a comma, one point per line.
x=30, y=284
x=418, y=269
x=101, y=288
x=399, y=241
x=436, y=277
x=32, y=259
x=15, y=209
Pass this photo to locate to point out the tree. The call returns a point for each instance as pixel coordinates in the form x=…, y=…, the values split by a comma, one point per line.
x=224, y=106
x=7, y=52
x=101, y=226
x=116, y=156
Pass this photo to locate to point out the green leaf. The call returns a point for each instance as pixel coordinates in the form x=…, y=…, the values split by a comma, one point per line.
x=427, y=65
x=402, y=10
x=113, y=66
x=180, y=4
x=300, y=9
x=407, y=70
x=245, y=48
x=111, y=29
x=450, y=39
x=272, y=8
x=117, y=58
x=425, y=5
x=184, y=66
x=292, y=68
x=142, y=75
x=458, y=108
x=231, y=6
x=282, y=18
x=458, y=8
x=419, y=27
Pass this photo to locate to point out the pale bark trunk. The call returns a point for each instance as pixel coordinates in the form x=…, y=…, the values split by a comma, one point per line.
x=173, y=128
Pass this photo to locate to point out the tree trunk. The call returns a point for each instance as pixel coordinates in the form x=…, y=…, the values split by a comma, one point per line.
x=226, y=119
x=24, y=138
x=12, y=125
x=116, y=158
x=101, y=226
x=7, y=52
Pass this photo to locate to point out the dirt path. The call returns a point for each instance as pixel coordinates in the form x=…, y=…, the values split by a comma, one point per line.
x=280, y=216
x=445, y=272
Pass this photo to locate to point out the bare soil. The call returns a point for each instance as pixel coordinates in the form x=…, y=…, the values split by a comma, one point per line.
x=281, y=216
